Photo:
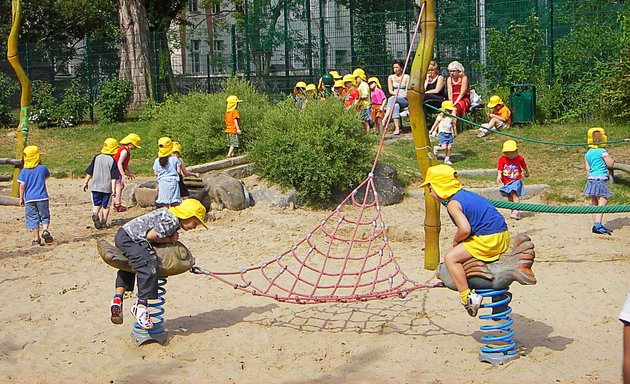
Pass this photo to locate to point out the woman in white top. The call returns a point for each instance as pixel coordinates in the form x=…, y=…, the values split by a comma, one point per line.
x=397, y=84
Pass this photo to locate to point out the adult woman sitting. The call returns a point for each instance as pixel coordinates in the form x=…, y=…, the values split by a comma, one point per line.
x=397, y=86
x=434, y=90
x=458, y=88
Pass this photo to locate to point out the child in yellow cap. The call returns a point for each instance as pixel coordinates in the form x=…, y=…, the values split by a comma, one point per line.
x=167, y=169
x=481, y=230
x=136, y=239
x=499, y=116
x=103, y=171
x=444, y=128
x=511, y=167
x=233, y=124
x=34, y=196
x=598, y=160
x=123, y=155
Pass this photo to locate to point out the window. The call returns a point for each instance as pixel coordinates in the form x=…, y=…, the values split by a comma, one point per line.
x=216, y=9
x=192, y=6
x=218, y=45
x=341, y=57
x=338, y=16
x=195, y=62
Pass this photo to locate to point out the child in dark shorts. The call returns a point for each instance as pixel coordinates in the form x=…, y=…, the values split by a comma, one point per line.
x=103, y=171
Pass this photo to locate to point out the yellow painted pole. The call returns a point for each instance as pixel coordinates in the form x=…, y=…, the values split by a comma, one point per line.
x=424, y=153
x=25, y=100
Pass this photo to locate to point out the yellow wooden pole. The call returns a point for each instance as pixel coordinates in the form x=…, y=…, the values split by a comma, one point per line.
x=25, y=100
x=424, y=153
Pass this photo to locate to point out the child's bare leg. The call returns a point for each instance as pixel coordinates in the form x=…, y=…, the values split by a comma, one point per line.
x=119, y=188
x=35, y=233
x=448, y=150
x=230, y=151
x=599, y=201
x=454, y=260
x=105, y=215
x=396, y=126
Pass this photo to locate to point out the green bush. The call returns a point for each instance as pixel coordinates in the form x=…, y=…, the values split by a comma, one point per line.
x=114, y=96
x=73, y=107
x=202, y=133
x=44, y=104
x=8, y=88
x=320, y=152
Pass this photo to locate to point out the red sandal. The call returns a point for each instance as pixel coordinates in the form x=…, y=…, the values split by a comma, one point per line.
x=119, y=208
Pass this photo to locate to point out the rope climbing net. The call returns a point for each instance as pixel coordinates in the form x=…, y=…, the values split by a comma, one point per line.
x=347, y=257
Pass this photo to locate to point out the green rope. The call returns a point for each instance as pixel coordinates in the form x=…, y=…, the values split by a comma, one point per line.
x=571, y=209
x=520, y=137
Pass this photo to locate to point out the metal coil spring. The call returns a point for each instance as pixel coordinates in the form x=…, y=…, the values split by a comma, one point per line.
x=156, y=310
x=500, y=342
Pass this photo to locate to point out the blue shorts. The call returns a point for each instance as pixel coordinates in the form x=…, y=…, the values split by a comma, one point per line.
x=366, y=114
x=100, y=199
x=37, y=212
x=445, y=138
x=513, y=186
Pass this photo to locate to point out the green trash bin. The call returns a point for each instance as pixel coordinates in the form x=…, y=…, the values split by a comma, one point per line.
x=523, y=103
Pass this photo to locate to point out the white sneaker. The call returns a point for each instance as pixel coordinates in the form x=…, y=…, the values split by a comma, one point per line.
x=447, y=161
x=404, y=113
x=143, y=318
x=474, y=303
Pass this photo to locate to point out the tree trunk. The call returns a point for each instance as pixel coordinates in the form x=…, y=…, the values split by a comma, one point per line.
x=135, y=57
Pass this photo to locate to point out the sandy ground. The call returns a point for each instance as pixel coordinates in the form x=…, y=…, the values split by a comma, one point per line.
x=56, y=328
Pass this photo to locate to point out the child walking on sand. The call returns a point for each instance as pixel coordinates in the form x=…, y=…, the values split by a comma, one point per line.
x=122, y=157
x=481, y=230
x=444, y=129
x=232, y=124
x=103, y=171
x=34, y=196
x=510, y=169
x=597, y=163
x=183, y=172
x=136, y=239
x=166, y=168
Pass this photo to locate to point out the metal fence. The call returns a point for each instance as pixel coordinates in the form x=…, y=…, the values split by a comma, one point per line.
x=276, y=48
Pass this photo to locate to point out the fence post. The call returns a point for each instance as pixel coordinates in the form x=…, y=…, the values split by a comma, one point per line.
x=208, y=72
x=234, y=49
x=156, y=68
x=286, y=45
x=248, y=64
x=352, y=59
x=309, y=34
x=551, y=43
x=322, y=40
x=88, y=77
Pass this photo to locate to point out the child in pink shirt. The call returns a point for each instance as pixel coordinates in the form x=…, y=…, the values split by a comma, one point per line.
x=378, y=103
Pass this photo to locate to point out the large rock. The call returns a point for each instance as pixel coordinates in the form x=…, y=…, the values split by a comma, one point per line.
x=145, y=197
x=390, y=190
x=227, y=192
x=274, y=197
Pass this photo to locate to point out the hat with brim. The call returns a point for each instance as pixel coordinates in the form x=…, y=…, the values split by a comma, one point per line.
x=31, y=156
x=110, y=146
x=375, y=81
x=177, y=147
x=442, y=180
x=448, y=105
x=509, y=146
x=131, y=138
x=165, y=147
x=589, y=137
x=494, y=101
x=190, y=208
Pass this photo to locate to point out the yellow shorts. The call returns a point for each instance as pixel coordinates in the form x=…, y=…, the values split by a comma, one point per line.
x=487, y=247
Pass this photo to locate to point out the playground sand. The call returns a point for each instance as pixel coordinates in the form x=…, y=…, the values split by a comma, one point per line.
x=56, y=328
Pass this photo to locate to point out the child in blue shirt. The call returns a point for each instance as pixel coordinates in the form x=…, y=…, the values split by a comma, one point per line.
x=34, y=196
x=597, y=163
x=167, y=169
x=481, y=230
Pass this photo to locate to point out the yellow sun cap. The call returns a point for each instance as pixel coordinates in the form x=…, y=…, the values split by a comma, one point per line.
x=177, y=147
x=359, y=72
x=190, y=208
x=375, y=80
x=232, y=103
x=494, y=101
x=339, y=84
x=442, y=180
x=509, y=146
x=131, y=138
x=448, y=105
x=589, y=137
x=300, y=86
x=311, y=88
x=335, y=75
x=110, y=146
x=31, y=156
x=348, y=79
x=165, y=146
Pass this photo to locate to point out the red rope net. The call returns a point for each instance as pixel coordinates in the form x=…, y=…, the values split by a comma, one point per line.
x=345, y=258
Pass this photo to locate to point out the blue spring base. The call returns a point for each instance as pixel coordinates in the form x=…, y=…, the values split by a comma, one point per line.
x=499, y=348
x=157, y=334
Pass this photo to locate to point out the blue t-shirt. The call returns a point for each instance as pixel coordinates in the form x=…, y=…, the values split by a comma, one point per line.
x=484, y=219
x=598, y=168
x=169, y=171
x=34, y=180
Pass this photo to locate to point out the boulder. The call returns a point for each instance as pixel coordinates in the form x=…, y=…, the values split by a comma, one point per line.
x=274, y=197
x=227, y=192
x=390, y=190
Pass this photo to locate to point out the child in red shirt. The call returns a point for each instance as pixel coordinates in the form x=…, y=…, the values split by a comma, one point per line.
x=352, y=93
x=511, y=167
